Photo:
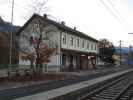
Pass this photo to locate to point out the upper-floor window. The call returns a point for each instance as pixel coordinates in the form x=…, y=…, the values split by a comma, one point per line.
x=71, y=40
x=91, y=46
x=64, y=39
x=77, y=42
x=36, y=27
x=88, y=45
x=83, y=44
x=95, y=47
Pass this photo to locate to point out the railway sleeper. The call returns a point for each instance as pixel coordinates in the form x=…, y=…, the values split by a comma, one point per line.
x=95, y=98
x=104, y=97
x=109, y=95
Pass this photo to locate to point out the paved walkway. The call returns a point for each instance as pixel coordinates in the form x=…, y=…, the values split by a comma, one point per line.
x=9, y=85
x=11, y=92
x=71, y=88
x=89, y=72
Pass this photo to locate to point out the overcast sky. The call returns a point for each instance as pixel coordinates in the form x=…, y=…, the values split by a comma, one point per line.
x=111, y=19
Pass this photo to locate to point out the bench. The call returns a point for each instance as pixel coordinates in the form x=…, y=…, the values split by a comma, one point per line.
x=18, y=72
x=13, y=72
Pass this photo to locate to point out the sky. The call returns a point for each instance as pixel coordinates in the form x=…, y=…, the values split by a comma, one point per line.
x=111, y=19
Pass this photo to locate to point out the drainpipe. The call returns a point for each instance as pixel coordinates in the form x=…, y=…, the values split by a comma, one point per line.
x=60, y=53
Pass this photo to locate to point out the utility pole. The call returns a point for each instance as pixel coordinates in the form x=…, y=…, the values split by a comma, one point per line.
x=129, y=55
x=11, y=32
x=120, y=51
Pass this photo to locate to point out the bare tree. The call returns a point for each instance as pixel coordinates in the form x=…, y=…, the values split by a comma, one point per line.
x=106, y=50
x=40, y=56
x=28, y=56
x=36, y=6
x=39, y=47
x=43, y=56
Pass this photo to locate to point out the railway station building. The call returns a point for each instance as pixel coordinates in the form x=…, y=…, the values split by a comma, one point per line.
x=74, y=49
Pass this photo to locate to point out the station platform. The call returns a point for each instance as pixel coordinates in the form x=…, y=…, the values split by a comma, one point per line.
x=58, y=92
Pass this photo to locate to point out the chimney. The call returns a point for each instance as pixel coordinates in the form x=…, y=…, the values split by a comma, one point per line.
x=63, y=23
x=45, y=16
x=74, y=28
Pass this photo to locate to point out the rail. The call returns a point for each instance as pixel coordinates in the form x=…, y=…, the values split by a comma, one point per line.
x=119, y=89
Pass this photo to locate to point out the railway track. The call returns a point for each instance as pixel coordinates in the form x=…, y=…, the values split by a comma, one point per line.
x=118, y=89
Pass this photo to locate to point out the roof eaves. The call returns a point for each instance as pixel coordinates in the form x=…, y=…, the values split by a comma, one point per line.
x=66, y=28
x=59, y=25
x=26, y=24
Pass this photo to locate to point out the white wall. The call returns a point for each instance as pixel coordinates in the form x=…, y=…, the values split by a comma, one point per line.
x=75, y=47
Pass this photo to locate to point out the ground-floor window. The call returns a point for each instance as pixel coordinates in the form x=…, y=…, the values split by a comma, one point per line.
x=63, y=59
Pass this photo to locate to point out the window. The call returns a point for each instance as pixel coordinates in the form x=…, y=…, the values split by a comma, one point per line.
x=91, y=46
x=71, y=40
x=88, y=45
x=45, y=36
x=63, y=59
x=36, y=27
x=77, y=42
x=64, y=39
x=95, y=47
x=83, y=43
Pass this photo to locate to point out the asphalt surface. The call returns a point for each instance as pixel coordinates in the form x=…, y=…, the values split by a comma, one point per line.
x=10, y=94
